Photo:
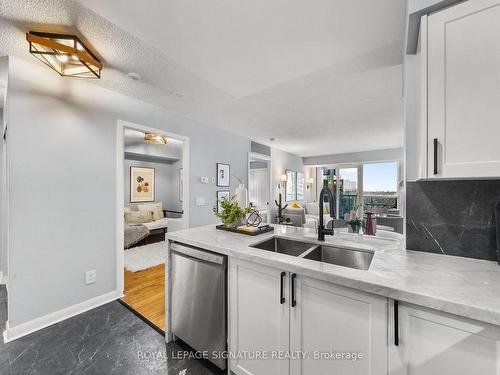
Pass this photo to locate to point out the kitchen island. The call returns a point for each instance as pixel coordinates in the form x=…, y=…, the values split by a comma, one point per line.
x=387, y=311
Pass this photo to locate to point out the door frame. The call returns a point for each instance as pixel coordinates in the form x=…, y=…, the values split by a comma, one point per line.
x=120, y=187
x=269, y=159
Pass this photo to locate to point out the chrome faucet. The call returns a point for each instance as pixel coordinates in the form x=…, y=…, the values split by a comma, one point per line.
x=321, y=227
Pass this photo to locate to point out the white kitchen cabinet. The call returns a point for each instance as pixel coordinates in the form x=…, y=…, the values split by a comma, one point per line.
x=432, y=342
x=258, y=320
x=316, y=317
x=327, y=317
x=463, y=91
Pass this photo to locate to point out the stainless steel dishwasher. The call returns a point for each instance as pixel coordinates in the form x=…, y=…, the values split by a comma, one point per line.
x=198, y=300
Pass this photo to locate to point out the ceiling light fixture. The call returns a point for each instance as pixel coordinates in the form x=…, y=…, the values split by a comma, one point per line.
x=66, y=54
x=155, y=138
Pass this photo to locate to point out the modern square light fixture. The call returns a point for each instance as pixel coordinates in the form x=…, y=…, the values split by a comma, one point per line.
x=155, y=138
x=66, y=54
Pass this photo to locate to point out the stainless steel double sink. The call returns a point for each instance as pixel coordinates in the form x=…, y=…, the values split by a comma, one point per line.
x=357, y=259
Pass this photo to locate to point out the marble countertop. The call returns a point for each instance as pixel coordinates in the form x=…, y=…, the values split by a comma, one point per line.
x=462, y=286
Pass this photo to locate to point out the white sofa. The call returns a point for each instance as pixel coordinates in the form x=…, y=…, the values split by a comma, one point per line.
x=307, y=216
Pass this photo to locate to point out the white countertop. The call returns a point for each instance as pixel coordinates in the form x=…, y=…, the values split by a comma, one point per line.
x=462, y=286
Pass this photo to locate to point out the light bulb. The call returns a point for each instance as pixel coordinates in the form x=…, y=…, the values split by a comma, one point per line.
x=62, y=58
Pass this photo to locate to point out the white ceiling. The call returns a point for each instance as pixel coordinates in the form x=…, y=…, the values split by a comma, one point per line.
x=320, y=76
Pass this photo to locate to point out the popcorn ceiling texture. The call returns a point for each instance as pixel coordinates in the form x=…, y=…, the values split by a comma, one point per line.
x=119, y=51
x=305, y=74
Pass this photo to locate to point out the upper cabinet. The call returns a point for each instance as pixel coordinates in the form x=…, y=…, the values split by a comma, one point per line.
x=461, y=47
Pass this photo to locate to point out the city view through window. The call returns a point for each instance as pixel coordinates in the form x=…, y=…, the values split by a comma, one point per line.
x=375, y=183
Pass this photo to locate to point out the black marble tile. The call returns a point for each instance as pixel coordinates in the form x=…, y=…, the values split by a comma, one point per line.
x=452, y=217
x=107, y=340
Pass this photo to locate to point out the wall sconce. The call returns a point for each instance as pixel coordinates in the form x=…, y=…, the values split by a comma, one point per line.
x=282, y=181
x=310, y=182
x=66, y=54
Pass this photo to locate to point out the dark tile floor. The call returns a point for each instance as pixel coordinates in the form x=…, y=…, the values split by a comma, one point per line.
x=106, y=340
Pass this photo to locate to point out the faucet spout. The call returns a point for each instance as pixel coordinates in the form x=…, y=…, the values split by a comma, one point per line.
x=321, y=227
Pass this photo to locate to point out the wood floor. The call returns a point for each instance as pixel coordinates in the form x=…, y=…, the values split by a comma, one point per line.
x=145, y=293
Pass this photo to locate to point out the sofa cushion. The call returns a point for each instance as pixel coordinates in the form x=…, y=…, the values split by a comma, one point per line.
x=157, y=209
x=138, y=217
x=312, y=208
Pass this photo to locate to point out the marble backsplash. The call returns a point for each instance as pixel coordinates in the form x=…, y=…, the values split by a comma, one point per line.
x=452, y=217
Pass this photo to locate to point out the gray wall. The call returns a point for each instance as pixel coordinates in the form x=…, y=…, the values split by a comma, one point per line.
x=62, y=153
x=166, y=183
x=281, y=161
x=4, y=65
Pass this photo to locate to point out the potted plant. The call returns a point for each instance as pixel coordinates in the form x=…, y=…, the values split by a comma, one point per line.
x=231, y=214
x=354, y=225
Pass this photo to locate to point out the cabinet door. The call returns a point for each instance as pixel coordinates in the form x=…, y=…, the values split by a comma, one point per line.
x=464, y=90
x=258, y=320
x=432, y=342
x=329, y=318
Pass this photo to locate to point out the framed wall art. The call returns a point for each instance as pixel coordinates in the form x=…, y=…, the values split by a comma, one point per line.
x=223, y=175
x=142, y=184
x=222, y=195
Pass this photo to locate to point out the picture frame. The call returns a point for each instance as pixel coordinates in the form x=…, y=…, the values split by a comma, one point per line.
x=142, y=184
x=291, y=185
x=223, y=175
x=221, y=195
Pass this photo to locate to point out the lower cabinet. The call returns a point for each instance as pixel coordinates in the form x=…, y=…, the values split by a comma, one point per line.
x=433, y=342
x=326, y=328
x=330, y=320
x=258, y=319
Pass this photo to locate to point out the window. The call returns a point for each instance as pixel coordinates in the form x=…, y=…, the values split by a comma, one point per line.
x=380, y=185
x=375, y=185
x=300, y=186
x=291, y=186
x=348, y=190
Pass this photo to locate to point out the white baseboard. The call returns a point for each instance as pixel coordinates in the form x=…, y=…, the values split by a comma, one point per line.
x=12, y=333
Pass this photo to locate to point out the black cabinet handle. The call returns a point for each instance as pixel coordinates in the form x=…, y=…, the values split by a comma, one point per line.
x=435, y=156
x=282, y=285
x=396, y=323
x=294, y=302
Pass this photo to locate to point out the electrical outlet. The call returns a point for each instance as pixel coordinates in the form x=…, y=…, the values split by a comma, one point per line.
x=204, y=180
x=90, y=277
x=201, y=201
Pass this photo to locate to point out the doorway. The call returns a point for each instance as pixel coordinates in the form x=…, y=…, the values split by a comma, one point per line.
x=260, y=184
x=152, y=199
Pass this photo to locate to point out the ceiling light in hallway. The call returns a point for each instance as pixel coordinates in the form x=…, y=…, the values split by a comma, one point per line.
x=155, y=138
x=66, y=54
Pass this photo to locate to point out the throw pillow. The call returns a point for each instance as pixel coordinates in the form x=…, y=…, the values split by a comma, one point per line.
x=157, y=209
x=138, y=217
x=295, y=205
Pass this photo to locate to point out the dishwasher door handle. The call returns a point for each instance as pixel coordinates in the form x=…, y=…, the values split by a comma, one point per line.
x=196, y=253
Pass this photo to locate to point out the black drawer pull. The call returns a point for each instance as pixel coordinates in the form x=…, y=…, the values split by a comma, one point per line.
x=282, y=284
x=435, y=156
x=396, y=323
x=294, y=302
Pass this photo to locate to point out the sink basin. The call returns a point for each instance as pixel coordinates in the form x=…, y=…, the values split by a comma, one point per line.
x=360, y=260
x=284, y=246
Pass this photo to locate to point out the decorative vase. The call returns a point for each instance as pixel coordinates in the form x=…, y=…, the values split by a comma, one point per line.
x=369, y=227
x=354, y=228
x=242, y=196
